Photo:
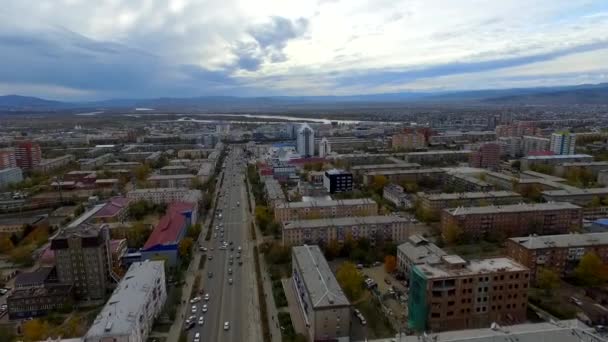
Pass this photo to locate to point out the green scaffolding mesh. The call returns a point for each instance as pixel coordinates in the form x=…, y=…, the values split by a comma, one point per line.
x=417, y=304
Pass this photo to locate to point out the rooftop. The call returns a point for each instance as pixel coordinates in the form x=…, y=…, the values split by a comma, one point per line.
x=419, y=250
x=562, y=240
x=512, y=208
x=124, y=307
x=344, y=221
x=473, y=267
x=469, y=195
x=327, y=203
x=322, y=286
x=112, y=207
x=577, y=191
x=336, y=172
x=167, y=231
x=559, y=156
x=185, y=176
x=407, y=171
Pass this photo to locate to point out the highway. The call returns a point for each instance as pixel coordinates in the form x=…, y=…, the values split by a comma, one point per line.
x=232, y=303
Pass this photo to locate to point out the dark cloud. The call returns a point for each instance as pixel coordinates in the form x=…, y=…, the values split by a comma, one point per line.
x=270, y=40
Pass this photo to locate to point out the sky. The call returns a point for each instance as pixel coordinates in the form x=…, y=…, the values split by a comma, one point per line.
x=89, y=50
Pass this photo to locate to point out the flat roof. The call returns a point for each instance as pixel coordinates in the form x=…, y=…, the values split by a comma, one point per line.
x=121, y=312
x=473, y=267
x=384, y=166
x=541, y=175
x=558, y=156
x=184, y=176
x=343, y=221
x=469, y=195
x=320, y=283
x=562, y=240
x=326, y=203
x=576, y=191
x=403, y=172
x=512, y=208
x=421, y=252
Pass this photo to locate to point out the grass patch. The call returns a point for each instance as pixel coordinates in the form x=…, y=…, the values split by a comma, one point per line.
x=288, y=333
x=551, y=304
x=377, y=322
x=280, y=300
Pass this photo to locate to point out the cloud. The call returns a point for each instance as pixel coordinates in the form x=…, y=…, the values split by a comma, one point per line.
x=83, y=50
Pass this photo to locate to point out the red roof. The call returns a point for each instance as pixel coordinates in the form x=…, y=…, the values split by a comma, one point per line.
x=170, y=226
x=113, y=207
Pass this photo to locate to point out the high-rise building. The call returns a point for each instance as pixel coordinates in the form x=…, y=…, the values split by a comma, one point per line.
x=487, y=156
x=83, y=259
x=7, y=158
x=305, y=143
x=562, y=143
x=324, y=147
x=27, y=155
x=409, y=140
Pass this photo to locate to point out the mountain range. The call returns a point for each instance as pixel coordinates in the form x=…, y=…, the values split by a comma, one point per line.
x=589, y=94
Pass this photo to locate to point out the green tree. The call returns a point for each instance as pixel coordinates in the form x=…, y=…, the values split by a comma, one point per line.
x=142, y=172
x=194, y=231
x=185, y=247
x=7, y=333
x=590, y=270
x=350, y=280
x=548, y=280
x=596, y=201
x=23, y=255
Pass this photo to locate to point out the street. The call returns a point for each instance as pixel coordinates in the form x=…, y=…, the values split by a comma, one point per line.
x=232, y=303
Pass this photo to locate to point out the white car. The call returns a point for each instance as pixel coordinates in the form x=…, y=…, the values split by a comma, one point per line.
x=205, y=308
x=207, y=297
x=195, y=300
x=194, y=309
x=197, y=337
x=230, y=281
x=226, y=325
x=201, y=320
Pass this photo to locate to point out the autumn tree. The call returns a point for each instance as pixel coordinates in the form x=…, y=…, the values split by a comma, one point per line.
x=332, y=250
x=22, y=255
x=35, y=330
x=590, y=270
x=548, y=280
x=452, y=233
x=350, y=280
x=596, y=201
x=185, y=247
x=142, y=172
x=390, y=263
x=6, y=245
x=378, y=183
x=194, y=231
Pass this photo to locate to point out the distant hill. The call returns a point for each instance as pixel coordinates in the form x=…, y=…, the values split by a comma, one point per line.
x=566, y=95
x=9, y=102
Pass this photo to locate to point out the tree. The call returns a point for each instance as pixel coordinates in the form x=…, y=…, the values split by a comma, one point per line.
x=596, y=201
x=137, y=235
x=6, y=333
x=350, y=280
x=378, y=183
x=185, y=247
x=6, y=245
x=390, y=263
x=142, y=172
x=332, y=250
x=547, y=280
x=23, y=255
x=194, y=231
x=452, y=233
x=590, y=270
x=35, y=330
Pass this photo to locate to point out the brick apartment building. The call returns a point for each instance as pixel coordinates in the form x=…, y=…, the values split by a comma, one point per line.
x=457, y=294
x=487, y=156
x=436, y=202
x=319, y=209
x=7, y=158
x=514, y=220
x=560, y=253
x=27, y=155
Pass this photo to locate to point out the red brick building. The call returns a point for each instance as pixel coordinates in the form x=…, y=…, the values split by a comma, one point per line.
x=27, y=155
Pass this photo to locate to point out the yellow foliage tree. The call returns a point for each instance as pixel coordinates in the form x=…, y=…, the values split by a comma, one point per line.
x=350, y=280
x=390, y=263
x=185, y=247
x=35, y=330
x=452, y=233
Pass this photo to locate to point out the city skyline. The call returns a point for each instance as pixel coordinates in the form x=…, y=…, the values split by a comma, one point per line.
x=72, y=50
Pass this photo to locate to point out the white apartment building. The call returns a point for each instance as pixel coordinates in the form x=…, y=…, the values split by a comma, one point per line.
x=165, y=195
x=10, y=176
x=563, y=143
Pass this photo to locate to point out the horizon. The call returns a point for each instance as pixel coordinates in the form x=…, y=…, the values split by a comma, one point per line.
x=77, y=52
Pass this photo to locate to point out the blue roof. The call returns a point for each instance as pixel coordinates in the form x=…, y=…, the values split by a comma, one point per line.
x=603, y=222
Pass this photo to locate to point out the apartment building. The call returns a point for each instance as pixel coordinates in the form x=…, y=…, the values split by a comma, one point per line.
x=359, y=170
x=48, y=165
x=171, y=181
x=514, y=219
x=434, y=203
x=27, y=155
x=466, y=182
x=325, y=308
x=400, y=176
x=317, y=209
x=579, y=196
x=396, y=194
x=133, y=307
x=10, y=176
x=374, y=228
x=534, y=144
x=594, y=167
x=93, y=163
x=457, y=294
x=562, y=143
x=411, y=140
x=560, y=253
x=165, y=195
x=553, y=160
x=486, y=157
x=273, y=191
x=83, y=259
x=7, y=158
x=415, y=251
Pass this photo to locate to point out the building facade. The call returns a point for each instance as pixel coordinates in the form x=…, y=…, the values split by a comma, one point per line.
x=318, y=209
x=533, y=144
x=457, y=294
x=410, y=140
x=417, y=250
x=486, y=157
x=434, y=203
x=48, y=165
x=7, y=158
x=560, y=253
x=338, y=181
x=165, y=195
x=305, y=141
x=324, y=147
x=10, y=176
x=396, y=194
x=513, y=220
x=373, y=228
x=171, y=181
x=325, y=308
x=135, y=304
x=562, y=143
x=83, y=259
x=27, y=155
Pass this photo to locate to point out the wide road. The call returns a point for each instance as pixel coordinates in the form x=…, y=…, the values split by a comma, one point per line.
x=232, y=303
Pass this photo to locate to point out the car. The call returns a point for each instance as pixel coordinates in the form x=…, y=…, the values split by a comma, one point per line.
x=230, y=271
x=226, y=325
x=230, y=281
x=576, y=301
x=210, y=257
x=230, y=257
x=205, y=308
x=387, y=281
x=240, y=262
x=210, y=274
x=201, y=320
x=197, y=337
x=202, y=249
x=215, y=235
x=195, y=300
x=207, y=297
x=194, y=309
x=232, y=249
x=230, y=262
x=238, y=256
x=239, y=249
x=212, y=249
